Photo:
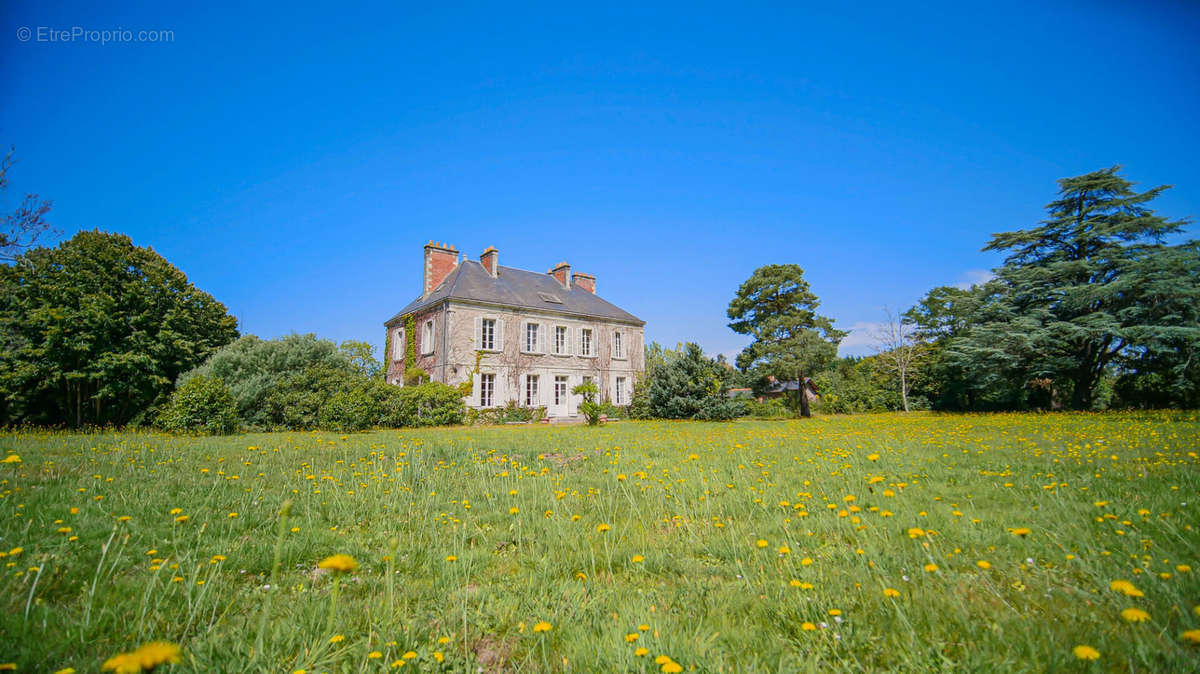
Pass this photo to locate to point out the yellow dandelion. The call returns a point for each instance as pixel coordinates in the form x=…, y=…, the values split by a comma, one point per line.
x=983, y=564
x=158, y=653
x=808, y=627
x=603, y=528
x=1126, y=588
x=1191, y=636
x=451, y=558
x=762, y=543
x=337, y=638
x=672, y=668
x=891, y=592
x=542, y=626
x=631, y=637
x=339, y=563
x=1135, y=615
x=641, y=652
x=1020, y=531
x=638, y=559
x=374, y=655
x=1086, y=652
x=931, y=567
x=122, y=663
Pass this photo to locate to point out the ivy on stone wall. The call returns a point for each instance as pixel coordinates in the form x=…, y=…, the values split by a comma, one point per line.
x=410, y=335
x=467, y=387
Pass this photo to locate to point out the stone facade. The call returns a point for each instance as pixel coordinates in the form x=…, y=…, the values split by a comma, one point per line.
x=535, y=366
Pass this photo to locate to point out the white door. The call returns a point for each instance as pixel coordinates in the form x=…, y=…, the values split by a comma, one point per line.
x=560, y=400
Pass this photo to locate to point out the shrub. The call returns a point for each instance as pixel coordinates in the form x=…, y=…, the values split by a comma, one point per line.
x=773, y=408
x=200, y=405
x=692, y=386
x=256, y=370
x=429, y=404
x=589, y=408
x=415, y=376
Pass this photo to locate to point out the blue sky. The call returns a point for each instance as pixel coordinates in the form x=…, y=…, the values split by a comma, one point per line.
x=294, y=162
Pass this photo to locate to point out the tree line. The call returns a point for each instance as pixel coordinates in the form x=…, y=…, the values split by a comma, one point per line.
x=1097, y=306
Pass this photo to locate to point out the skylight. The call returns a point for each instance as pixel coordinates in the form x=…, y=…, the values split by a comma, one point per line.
x=547, y=297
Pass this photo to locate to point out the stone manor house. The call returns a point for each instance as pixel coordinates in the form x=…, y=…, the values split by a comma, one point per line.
x=539, y=335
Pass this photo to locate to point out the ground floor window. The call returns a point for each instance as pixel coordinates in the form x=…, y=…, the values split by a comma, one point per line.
x=620, y=391
x=531, y=390
x=487, y=390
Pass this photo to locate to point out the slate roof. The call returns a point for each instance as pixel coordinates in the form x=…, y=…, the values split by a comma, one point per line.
x=516, y=288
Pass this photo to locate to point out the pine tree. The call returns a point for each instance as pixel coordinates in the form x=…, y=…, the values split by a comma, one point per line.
x=777, y=308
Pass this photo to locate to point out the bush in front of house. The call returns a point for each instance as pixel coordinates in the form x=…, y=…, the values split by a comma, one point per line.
x=428, y=404
x=201, y=405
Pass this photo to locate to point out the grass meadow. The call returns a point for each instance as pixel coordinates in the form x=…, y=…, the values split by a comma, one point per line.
x=890, y=542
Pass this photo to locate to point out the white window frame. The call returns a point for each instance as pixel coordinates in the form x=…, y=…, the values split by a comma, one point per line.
x=427, y=337
x=538, y=338
x=620, y=394
x=532, y=384
x=618, y=345
x=487, y=390
x=590, y=342
x=497, y=343
x=566, y=341
x=398, y=344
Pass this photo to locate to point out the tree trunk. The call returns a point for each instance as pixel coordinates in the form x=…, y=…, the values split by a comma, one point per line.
x=904, y=390
x=1081, y=397
x=804, y=411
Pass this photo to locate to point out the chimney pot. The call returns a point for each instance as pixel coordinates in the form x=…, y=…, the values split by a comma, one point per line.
x=490, y=259
x=562, y=273
x=440, y=260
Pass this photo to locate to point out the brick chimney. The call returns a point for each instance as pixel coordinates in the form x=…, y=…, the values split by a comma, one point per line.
x=440, y=260
x=562, y=272
x=585, y=281
x=490, y=259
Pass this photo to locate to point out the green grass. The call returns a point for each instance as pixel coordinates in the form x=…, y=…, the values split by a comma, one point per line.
x=692, y=499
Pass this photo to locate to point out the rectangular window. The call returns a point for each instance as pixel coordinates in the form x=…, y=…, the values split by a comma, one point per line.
x=427, y=338
x=487, y=334
x=560, y=390
x=585, y=342
x=560, y=339
x=398, y=345
x=531, y=390
x=531, y=337
x=620, y=390
x=618, y=347
x=487, y=390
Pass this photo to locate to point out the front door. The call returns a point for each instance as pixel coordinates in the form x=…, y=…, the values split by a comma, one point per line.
x=560, y=404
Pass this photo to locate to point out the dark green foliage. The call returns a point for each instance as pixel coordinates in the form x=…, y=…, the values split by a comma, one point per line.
x=328, y=397
x=853, y=385
x=436, y=404
x=691, y=387
x=256, y=368
x=1095, y=289
x=202, y=405
x=97, y=330
x=777, y=308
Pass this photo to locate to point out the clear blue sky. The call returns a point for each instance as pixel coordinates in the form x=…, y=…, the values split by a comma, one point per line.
x=293, y=161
